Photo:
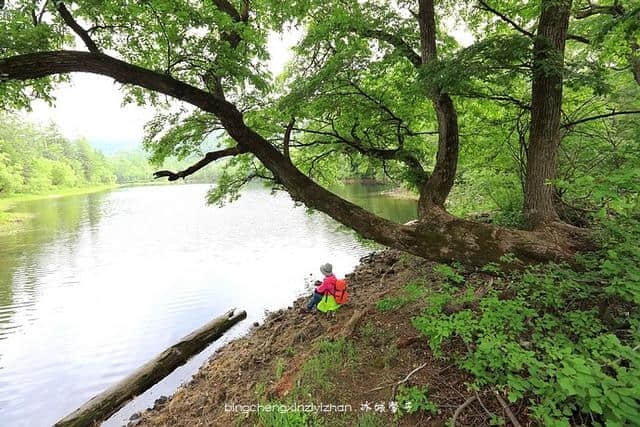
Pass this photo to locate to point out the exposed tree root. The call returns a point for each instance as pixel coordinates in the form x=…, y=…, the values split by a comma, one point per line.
x=467, y=402
x=507, y=410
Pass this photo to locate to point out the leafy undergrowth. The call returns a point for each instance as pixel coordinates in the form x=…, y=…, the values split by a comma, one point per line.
x=561, y=341
x=358, y=370
x=546, y=345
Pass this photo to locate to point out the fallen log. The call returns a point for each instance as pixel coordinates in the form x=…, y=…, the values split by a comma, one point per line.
x=105, y=404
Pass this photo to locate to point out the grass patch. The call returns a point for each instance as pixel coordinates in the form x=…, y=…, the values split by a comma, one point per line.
x=332, y=356
x=369, y=333
x=280, y=415
x=316, y=378
x=370, y=419
x=411, y=292
x=7, y=202
x=279, y=368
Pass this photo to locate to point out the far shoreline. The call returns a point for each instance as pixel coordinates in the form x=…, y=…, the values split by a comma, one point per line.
x=13, y=222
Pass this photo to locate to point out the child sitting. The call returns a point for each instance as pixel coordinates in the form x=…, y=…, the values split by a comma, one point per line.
x=327, y=286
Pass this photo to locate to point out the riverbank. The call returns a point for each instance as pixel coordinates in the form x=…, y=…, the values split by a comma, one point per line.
x=400, y=193
x=355, y=358
x=12, y=222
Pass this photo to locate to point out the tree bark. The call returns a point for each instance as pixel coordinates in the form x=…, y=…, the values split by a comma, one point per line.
x=437, y=188
x=546, y=103
x=438, y=236
x=634, y=59
x=111, y=400
x=434, y=192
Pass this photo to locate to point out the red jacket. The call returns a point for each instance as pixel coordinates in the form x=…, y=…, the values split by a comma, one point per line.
x=328, y=285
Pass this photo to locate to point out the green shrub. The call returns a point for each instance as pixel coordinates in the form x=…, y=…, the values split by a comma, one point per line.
x=563, y=340
x=412, y=292
x=413, y=399
x=449, y=273
x=390, y=303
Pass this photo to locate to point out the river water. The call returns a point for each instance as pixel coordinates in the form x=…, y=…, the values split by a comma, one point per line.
x=98, y=284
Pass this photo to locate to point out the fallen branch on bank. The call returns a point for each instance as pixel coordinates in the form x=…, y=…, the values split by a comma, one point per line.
x=111, y=400
x=507, y=410
x=456, y=414
x=349, y=327
x=395, y=386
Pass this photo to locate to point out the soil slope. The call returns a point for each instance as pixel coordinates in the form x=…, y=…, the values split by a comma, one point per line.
x=356, y=357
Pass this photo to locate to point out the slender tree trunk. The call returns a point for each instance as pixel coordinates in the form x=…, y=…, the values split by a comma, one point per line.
x=435, y=190
x=634, y=59
x=439, y=236
x=546, y=104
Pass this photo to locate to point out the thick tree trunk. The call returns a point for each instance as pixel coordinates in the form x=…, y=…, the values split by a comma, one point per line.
x=438, y=236
x=111, y=400
x=546, y=104
x=434, y=192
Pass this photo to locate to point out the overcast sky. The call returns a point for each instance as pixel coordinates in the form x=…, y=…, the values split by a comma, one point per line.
x=90, y=106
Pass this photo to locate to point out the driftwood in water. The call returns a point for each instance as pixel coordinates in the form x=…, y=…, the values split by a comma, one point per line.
x=111, y=400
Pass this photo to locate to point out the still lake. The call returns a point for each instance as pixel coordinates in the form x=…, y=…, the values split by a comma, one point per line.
x=98, y=284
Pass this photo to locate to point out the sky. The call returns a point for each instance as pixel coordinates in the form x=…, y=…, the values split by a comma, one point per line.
x=91, y=106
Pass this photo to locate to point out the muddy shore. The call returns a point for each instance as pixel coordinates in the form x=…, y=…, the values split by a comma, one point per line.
x=354, y=358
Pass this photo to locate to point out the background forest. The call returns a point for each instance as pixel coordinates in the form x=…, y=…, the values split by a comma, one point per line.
x=37, y=159
x=534, y=122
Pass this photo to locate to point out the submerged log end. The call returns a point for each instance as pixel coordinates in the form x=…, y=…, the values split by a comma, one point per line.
x=105, y=404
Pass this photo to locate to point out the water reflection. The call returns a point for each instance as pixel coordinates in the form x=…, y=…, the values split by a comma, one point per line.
x=372, y=198
x=98, y=284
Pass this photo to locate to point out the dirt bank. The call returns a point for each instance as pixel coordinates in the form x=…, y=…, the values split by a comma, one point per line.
x=356, y=357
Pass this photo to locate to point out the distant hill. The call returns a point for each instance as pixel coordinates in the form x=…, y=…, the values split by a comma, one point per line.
x=112, y=147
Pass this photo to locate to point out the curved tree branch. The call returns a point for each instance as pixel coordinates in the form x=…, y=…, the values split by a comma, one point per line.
x=600, y=116
x=73, y=24
x=438, y=236
x=617, y=10
x=42, y=64
x=398, y=154
x=593, y=9
x=505, y=18
x=394, y=40
x=286, y=142
x=230, y=10
x=578, y=38
x=208, y=158
x=43, y=9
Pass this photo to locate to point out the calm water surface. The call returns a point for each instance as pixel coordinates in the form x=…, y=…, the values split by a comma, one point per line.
x=99, y=284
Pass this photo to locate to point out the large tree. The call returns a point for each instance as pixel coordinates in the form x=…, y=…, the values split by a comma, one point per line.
x=377, y=82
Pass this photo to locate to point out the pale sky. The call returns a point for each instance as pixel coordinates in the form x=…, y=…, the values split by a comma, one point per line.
x=90, y=106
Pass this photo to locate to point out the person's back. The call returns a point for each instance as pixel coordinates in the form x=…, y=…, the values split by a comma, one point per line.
x=327, y=287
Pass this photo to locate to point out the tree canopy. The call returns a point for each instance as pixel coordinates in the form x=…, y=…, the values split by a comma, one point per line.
x=526, y=111
x=535, y=119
